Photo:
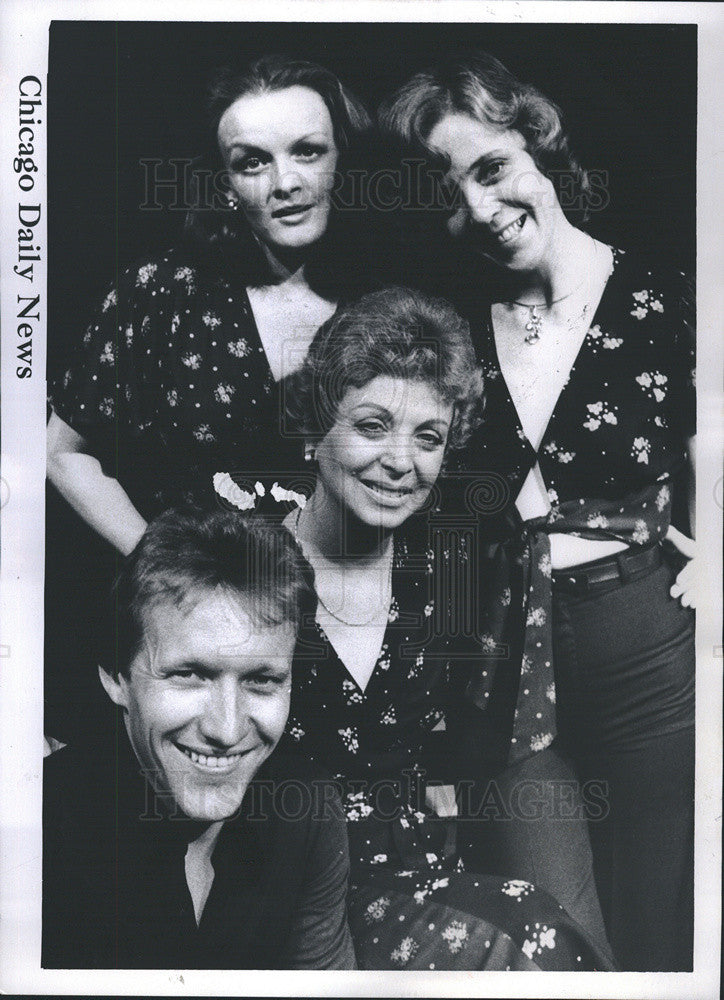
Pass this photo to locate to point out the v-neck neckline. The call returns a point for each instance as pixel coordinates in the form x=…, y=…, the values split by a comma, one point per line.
x=584, y=347
x=385, y=645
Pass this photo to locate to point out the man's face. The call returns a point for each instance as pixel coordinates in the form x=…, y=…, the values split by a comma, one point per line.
x=206, y=700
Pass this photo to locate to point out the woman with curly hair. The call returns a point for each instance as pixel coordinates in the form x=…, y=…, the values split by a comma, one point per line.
x=388, y=390
x=587, y=353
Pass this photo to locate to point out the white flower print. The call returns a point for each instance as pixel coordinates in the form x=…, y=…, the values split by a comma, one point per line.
x=192, y=361
x=379, y=859
x=611, y=343
x=431, y=858
x=598, y=413
x=351, y=693
x=204, y=433
x=657, y=305
x=551, y=693
x=545, y=565
x=186, y=276
x=662, y=498
x=129, y=335
x=641, y=296
x=505, y=597
x=223, y=392
x=355, y=807
x=377, y=909
x=654, y=384
x=552, y=497
x=595, y=332
x=641, y=532
x=428, y=609
x=488, y=643
x=564, y=457
x=389, y=717
x=456, y=935
x=211, y=319
x=110, y=300
x=517, y=887
x=394, y=612
x=172, y=397
x=239, y=348
x=597, y=520
x=539, y=741
x=407, y=950
x=545, y=937
x=107, y=406
x=295, y=730
x=640, y=312
x=384, y=661
x=640, y=449
x=536, y=616
x=107, y=356
x=350, y=738
x=87, y=336
x=66, y=378
x=175, y=322
x=145, y=273
x=526, y=664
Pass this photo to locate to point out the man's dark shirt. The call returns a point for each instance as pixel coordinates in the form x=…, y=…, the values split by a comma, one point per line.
x=114, y=886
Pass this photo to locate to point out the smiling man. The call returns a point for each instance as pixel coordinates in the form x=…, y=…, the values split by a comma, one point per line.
x=160, y=850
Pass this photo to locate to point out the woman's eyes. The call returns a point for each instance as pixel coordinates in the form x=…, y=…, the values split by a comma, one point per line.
x=489, y=172
x=253, y=163
x=376, y=428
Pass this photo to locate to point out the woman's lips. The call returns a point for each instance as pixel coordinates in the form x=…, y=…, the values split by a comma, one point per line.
x=509, y=232
x=292, y=213
x=391, y=494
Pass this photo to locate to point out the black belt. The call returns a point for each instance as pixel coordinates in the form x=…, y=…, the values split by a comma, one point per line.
x=623, y=566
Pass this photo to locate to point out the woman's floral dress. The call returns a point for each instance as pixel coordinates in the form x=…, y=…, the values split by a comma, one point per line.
x=412, y=905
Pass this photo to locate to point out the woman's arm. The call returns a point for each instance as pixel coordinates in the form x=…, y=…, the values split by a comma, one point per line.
x=99, y=499
x=684, y=586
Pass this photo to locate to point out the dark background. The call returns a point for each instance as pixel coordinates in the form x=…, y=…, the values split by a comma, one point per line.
x=119, y=93
x=122, y=92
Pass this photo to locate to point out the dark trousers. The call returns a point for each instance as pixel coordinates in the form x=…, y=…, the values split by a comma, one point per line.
x=624, y=658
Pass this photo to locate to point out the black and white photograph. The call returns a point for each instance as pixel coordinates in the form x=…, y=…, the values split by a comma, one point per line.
x=361, y=500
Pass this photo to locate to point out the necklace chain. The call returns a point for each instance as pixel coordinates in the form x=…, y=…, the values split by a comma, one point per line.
x=339, y=618
x=534, y=326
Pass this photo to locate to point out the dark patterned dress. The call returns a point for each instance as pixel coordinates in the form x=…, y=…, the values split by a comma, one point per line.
x=171, y=384
x=412, y=906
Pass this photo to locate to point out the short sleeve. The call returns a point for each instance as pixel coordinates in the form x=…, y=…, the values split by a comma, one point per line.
x=683, y=367
x=320, y=936
x=86, y=394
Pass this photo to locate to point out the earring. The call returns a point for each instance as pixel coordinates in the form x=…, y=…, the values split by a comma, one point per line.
x=310, y=454
x=233, y=204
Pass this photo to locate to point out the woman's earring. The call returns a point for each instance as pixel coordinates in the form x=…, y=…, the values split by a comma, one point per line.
x=233, y=204
x=310, y=454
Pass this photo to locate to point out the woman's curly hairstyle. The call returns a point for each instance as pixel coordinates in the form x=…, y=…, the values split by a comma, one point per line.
x=479, y=85
x=398, y=333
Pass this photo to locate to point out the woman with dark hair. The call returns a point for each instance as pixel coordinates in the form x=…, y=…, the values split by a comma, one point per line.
x=178, y=372
x=389, y=387
x=587, y=353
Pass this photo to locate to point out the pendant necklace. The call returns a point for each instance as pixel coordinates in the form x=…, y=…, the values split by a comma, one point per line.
x=534, y=325
x=345, y=621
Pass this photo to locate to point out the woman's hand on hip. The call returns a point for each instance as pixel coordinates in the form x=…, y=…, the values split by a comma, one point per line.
x=684, y=587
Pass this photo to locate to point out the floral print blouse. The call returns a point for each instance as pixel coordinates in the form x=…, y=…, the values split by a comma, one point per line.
x=171, y=383
x=382, y=745
x=627, y=408
x=615, y=439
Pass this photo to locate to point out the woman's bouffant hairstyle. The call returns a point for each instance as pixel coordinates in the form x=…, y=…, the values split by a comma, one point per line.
x=185, y=553
x=398, y=333
x=479, y=85
x=211, y=226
